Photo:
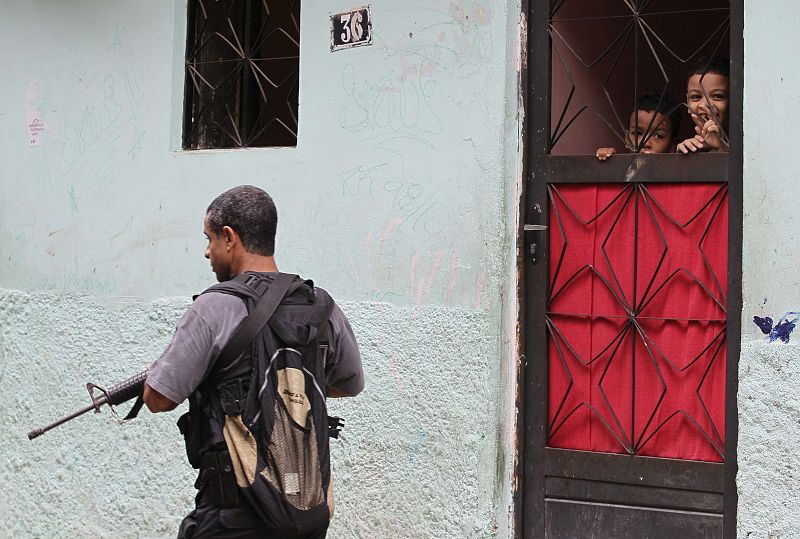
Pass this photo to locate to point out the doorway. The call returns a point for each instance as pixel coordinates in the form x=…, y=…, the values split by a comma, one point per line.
x=631, y=288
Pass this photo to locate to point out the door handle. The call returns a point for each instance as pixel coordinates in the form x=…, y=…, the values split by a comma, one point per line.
x=536, y=231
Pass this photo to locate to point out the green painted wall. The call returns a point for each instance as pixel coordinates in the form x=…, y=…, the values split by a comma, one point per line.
x=401, y=199
x=406, y=134
x=396, y=200
x=769, y=372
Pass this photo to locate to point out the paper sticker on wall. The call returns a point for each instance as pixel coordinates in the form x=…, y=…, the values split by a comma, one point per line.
x=33, y=117
x=351, y=28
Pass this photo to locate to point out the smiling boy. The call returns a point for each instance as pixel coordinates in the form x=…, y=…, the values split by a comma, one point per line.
x=707, y=92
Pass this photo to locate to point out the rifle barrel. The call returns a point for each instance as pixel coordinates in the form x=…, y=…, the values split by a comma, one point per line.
x=38, y=432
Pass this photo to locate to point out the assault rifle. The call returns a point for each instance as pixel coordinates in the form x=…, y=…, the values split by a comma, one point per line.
x=131, y=388
x=126, y=390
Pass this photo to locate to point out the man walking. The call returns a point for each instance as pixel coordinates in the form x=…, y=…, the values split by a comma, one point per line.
x=240, y=225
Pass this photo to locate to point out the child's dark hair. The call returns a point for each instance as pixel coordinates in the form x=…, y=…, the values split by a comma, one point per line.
x=664, y=104
x=719, y=65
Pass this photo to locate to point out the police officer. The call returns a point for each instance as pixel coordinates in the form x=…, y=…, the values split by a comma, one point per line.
x=240, y=226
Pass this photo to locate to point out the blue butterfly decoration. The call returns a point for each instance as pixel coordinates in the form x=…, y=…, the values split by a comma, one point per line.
x=782, y=330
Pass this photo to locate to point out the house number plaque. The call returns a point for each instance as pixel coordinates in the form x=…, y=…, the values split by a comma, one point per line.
x=351, y=28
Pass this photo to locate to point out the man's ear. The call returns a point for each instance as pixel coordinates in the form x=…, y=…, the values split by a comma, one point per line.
x=230, y=235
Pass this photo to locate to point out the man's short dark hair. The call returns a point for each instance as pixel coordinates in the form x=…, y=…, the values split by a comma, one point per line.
x=249, y=211
x=664, y=104
x=719, y=65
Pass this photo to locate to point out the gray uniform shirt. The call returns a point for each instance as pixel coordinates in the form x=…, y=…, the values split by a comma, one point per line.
x=208, y=324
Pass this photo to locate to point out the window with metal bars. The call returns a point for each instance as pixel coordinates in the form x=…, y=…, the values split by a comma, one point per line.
x=242, y=74
x=610, y=56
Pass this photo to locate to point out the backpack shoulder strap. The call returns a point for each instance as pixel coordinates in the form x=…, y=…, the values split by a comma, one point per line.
x=239, y=286
x=303, y=329
x=257, y=319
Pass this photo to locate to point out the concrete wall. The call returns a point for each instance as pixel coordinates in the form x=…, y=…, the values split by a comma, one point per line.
x=399, y=199
x=769, y=371
x=415, y=135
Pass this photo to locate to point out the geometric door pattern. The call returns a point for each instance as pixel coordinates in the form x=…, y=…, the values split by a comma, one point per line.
x=636, y=318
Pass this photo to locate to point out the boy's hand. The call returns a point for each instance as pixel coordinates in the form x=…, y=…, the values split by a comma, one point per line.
x=709, y=130
x=707, y=139
x=694, y=144
x=604, y=153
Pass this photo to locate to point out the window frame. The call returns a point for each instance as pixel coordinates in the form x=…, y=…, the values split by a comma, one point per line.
x=247, y=105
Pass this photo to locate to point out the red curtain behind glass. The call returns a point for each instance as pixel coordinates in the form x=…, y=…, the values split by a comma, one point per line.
x=637, y=305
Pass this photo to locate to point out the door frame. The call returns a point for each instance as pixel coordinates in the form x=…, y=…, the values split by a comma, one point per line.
x=532, y=404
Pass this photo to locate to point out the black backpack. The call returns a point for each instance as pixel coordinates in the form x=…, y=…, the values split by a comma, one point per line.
x=270, y=413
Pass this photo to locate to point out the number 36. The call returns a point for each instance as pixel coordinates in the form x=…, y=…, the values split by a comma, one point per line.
x=351, y=24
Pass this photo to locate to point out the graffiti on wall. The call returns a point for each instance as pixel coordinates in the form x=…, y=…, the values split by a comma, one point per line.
x=421, y=139
x=92, y=97
x=782, y=330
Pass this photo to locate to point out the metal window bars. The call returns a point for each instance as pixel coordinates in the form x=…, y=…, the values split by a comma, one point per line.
x=607, y=54
x=242, y=74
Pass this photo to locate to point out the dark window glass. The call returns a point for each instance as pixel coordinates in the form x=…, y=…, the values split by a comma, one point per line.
x=242, y=73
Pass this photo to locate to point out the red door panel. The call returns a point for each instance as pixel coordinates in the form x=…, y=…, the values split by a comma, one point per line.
x=636, y=317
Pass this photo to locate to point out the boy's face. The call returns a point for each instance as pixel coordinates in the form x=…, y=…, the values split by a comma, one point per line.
x=716, y=88
x=659, y=139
